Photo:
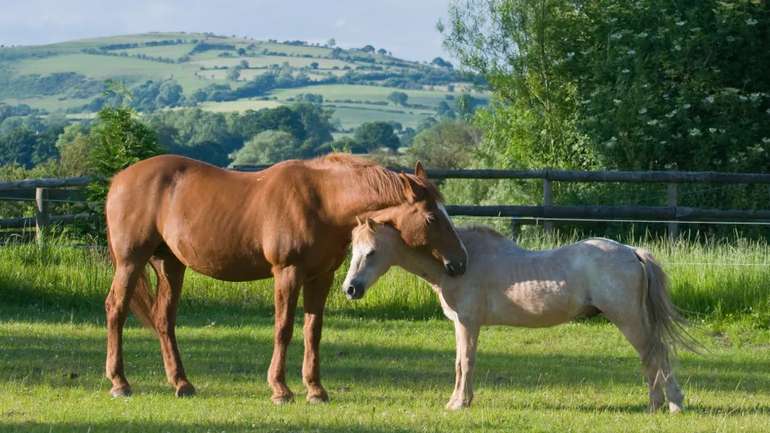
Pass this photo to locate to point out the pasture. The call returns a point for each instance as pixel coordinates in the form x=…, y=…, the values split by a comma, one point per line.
x=388, y=359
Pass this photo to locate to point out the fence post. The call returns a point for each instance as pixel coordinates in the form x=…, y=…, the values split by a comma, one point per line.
x=672, y=194
x=41, y=213
x=547, y=201
x=515, y=230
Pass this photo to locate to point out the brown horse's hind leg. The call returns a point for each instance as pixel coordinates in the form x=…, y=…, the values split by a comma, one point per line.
x=124, y=282
x=315, y=292
x=287, y=284
x=170, y=273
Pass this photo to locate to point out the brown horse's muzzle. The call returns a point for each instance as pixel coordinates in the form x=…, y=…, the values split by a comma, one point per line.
x=454, y=268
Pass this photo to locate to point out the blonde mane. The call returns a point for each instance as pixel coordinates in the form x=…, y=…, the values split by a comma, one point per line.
x=382, y=181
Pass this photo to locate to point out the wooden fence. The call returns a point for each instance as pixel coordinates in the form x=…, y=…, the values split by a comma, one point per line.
x=44, y=190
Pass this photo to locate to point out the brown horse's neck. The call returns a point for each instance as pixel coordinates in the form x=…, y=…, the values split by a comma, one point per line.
x=351, y=196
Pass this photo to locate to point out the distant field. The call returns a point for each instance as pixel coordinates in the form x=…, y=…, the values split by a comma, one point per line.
x=294, y=49
x=168, y=51
x=49, y=103
x=239, y=105
x=351, y=116
x=352, y=92
x=297, y=62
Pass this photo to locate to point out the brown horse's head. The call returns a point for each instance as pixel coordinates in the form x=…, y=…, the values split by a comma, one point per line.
x=423, y=222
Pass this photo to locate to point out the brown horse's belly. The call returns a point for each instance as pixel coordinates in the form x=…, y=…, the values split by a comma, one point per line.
x=221, y=262
x=234, y=273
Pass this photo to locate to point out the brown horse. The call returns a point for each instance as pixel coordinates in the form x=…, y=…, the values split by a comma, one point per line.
x=291, y=221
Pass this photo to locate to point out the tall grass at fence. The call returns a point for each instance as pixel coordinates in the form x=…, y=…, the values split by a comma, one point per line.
x=726, y=279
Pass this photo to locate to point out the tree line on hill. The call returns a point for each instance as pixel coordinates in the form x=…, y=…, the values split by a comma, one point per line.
x=302, y=129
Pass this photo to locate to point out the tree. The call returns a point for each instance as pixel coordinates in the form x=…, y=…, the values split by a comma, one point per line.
x=374, y=135
x=398, y=98
x=74, y=145
x=234, y=73
x=367, y=49
x=440, y=62
x=444, y=110
x=515, y=44
x=267, y=147
x=465, y=105
x=448, y=144
x=119, y=140
x=313, y=65
x=331, y=43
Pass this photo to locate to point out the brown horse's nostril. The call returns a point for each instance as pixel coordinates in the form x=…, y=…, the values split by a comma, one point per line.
x=454, y=269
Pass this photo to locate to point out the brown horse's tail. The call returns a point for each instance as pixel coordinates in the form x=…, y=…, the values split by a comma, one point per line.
x=142, y=302
x=666, y=326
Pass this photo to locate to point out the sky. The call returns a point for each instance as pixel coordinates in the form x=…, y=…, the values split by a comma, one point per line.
x=405, y=27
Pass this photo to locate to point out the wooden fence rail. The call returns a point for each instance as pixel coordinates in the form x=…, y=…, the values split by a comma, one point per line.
x=45, y=191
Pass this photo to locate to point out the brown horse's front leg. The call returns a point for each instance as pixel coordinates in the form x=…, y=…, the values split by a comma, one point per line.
x=315, y=292
x=287, y=283
x=116, y=307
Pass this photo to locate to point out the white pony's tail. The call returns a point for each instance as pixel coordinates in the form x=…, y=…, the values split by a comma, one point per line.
x=665, y=324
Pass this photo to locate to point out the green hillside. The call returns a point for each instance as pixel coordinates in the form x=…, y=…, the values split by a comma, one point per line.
x=227, y=74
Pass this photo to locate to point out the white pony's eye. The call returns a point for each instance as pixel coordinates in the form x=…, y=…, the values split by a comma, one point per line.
x=370, y=253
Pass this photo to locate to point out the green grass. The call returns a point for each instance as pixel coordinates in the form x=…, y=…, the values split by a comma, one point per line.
x=387, y=359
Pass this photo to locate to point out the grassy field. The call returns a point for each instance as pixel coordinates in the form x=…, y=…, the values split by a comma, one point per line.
x=387, y=359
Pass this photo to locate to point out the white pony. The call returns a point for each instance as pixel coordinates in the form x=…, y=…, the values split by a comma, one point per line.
x=507, y=285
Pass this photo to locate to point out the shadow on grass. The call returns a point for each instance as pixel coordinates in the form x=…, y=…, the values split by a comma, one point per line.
x=25, y=300
x=244, y=359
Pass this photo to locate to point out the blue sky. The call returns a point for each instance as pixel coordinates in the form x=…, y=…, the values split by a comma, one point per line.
x=405, y=27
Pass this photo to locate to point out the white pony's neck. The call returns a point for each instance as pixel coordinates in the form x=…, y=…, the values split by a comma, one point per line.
x=420, y=263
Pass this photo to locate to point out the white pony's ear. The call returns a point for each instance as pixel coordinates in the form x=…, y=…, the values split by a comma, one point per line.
x=358, y=220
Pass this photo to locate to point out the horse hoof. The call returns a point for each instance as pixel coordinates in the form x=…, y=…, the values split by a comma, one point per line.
x=675, y=407
x=279, y=400
x=454, y=405
x=318, y=399
x=121, y=392
x=185, y=390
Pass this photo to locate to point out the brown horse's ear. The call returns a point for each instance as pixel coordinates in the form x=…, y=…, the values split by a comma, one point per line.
x=419, y=171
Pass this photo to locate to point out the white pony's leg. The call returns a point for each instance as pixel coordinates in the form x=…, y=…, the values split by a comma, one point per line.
x=458, y=370
x=636, y=333
x=466, y=336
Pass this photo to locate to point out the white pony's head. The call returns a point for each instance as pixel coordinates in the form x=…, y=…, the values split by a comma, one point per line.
x=375, y=249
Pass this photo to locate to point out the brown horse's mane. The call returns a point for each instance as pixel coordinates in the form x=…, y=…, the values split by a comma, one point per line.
x=387, y=183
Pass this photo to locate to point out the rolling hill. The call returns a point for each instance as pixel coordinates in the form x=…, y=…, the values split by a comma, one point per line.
x=229, y=74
